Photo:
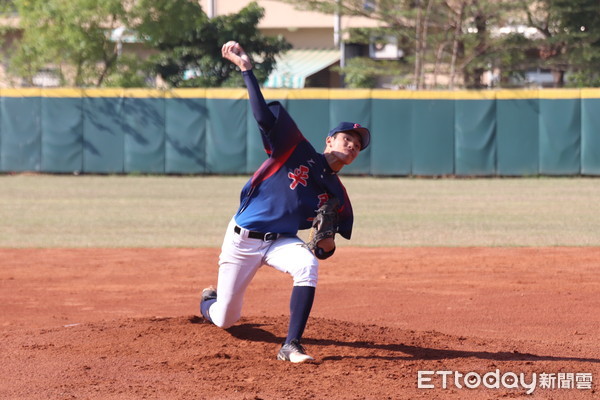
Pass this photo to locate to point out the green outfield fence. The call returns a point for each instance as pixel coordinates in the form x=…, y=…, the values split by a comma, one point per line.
x=212, y=131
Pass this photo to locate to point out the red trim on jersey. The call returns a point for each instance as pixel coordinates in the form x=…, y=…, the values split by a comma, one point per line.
x=271, y=165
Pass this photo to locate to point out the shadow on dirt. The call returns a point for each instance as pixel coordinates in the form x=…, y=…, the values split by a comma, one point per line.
x=256, y=333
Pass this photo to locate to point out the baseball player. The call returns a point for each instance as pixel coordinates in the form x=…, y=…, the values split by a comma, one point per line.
x=284, y=195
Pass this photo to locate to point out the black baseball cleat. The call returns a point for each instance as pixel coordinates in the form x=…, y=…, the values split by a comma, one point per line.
x=209, y=294
x=293, y=352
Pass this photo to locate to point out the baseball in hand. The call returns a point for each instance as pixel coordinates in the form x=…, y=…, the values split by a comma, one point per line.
x=236, y=54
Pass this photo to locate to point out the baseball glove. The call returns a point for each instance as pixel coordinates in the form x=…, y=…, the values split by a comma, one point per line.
x=324, y=225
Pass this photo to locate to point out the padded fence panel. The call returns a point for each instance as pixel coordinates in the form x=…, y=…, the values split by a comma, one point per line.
x=590, y=135
x=144, y=124
x=517, y=136
x=226, y=137
x=21, y=135
x=256, y=153
x=508, y=132
x=560, y=136
x=312, y=117
x=433, y=137
x=391, y=127
x=357, y=111
x=185, y=135
x=475, y=130
x=62, y=134
x=103, y=135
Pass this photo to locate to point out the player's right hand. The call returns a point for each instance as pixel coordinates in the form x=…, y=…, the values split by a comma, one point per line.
x=234, y=52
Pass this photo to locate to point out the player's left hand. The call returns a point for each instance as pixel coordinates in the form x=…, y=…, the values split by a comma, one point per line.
x=322, y=235
x=326, y=244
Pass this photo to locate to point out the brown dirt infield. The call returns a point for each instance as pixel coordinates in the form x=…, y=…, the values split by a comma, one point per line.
x=123, y=324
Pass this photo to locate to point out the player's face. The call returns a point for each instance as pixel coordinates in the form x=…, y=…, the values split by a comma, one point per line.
x=345, y=146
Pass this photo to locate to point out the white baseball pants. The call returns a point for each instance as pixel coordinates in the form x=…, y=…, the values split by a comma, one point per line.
x=240, y=259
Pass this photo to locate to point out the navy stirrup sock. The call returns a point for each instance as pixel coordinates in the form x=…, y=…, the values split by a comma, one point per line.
x=204, y=306
x=300, y=305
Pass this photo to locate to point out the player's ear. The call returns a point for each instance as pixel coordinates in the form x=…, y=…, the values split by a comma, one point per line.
x=328, y=141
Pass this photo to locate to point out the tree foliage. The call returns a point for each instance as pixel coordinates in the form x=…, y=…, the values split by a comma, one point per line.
x=76, y=39
x=446, y=43
x=363, y=72
x=448, y=38
x=190, y=54
x=570, y=38
x=70, y=36
x=460, y=40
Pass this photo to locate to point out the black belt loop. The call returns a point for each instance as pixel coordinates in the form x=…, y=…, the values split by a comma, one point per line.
x=267, y=237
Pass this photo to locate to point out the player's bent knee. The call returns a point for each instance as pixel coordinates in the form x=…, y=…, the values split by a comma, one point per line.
x=307, y=277
x=224, y=323
x=224, y=319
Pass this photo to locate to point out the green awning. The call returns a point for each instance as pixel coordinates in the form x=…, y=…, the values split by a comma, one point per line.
x=294, y=66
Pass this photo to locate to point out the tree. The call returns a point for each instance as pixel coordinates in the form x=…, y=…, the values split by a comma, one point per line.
x=513, y=57
x=7, y=7
x=362, y=72
x=76, y=39
x=190, y=55
x=70, y=36
x=584, y=44
x=402, y=21
x=476, y=20
x=438, y=37
x=570, y=37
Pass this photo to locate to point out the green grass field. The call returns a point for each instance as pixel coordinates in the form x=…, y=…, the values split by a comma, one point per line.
x=167, y=211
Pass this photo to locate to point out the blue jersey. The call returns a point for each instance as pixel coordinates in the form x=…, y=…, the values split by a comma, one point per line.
x=284, y=193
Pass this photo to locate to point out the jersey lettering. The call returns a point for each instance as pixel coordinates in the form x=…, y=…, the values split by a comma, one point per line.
x=299, y=176
x=322, y=199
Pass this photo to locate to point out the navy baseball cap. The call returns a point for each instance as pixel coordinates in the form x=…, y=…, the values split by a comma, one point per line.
x=365, y=135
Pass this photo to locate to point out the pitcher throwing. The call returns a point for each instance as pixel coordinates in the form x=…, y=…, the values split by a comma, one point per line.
x=295, y=188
